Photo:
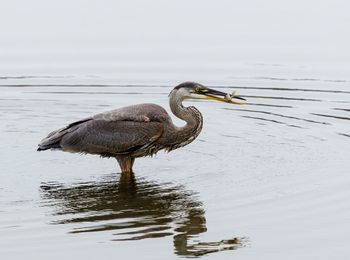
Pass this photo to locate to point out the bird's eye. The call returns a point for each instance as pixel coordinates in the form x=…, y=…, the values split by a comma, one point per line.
x=198, y=90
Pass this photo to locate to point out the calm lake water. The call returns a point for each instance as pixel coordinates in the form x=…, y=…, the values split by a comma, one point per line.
x=268, y=179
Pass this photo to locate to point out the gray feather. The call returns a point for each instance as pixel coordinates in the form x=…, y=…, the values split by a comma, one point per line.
x=110, y=133
x=111, y=137
x=130, y=132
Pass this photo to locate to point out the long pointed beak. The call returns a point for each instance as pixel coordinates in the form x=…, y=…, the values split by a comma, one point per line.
x=216, y=95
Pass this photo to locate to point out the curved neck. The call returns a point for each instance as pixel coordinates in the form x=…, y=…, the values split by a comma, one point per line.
x=192, y=117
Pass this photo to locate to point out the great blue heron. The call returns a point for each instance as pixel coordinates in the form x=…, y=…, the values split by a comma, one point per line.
x=138, y=130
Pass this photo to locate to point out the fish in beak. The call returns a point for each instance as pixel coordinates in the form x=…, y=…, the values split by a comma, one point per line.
x=202, y=92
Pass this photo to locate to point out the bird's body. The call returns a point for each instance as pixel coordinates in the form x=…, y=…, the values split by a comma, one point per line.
x=130, y=132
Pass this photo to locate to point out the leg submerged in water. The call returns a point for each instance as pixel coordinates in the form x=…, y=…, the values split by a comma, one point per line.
x=126, y=163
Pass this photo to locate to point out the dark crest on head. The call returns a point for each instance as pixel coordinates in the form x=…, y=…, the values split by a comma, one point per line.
x=188, y=85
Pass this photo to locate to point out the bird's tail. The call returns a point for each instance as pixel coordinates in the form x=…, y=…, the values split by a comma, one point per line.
x=52, y=141
x=50, y=146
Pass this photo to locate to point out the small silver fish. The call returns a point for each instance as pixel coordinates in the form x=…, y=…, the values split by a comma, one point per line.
x=229, y=97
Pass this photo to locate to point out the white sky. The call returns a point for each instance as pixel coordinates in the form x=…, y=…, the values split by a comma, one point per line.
x=109, y=22
x=284, y=30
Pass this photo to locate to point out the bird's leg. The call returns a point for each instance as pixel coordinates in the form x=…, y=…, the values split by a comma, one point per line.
x=126, y=162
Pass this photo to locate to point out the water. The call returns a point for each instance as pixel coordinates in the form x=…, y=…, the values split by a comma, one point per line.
x=265, y=180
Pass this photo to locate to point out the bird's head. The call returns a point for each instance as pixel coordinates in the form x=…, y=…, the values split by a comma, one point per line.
x=192, y=90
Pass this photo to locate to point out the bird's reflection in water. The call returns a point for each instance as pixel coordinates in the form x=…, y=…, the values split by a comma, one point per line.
x=134, y=209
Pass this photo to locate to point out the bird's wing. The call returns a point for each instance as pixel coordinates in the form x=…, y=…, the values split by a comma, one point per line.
x=117, y=130
x=111, y=137
x=136, y=113
x=53, y=138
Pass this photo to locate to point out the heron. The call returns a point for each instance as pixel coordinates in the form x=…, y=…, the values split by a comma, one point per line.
x=138, y=130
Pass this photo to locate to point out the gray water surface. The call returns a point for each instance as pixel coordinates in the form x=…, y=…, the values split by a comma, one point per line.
x=269, y=178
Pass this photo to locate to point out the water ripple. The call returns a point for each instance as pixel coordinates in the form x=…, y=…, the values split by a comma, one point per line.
x=134, y=209
x=332, y=116
x=271, y=120
x=280, y=115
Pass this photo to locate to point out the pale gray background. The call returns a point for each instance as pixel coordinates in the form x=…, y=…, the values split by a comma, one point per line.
x=129, y=40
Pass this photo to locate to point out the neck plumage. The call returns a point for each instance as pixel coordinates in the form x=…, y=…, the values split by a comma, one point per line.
x=193, y=118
